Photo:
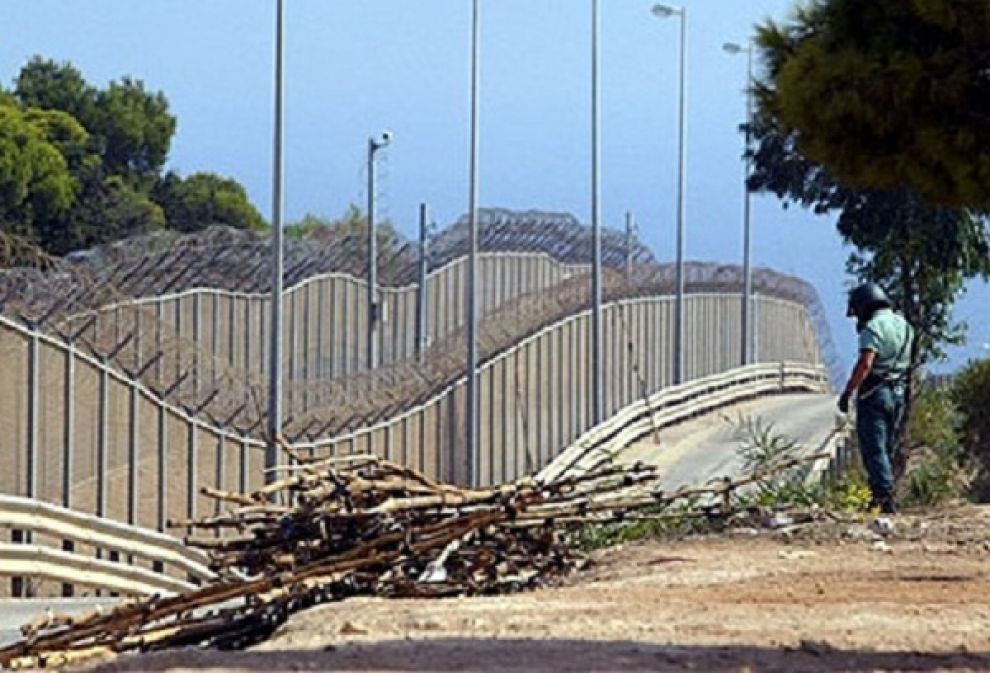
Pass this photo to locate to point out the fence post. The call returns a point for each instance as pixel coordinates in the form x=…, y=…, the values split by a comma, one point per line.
x=132, y=457
x=33, y=408
x=103, y=419
x=68, y=445
x=21, y=587
x=191, y=461
x=162, y=467
x=421, y=291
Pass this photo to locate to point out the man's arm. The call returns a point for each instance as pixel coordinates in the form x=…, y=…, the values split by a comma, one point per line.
x=862, y=369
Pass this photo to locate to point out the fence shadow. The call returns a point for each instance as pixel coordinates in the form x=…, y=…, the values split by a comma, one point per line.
x=532, y=656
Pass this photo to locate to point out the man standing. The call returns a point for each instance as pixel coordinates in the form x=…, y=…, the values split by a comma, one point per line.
x=880, y=377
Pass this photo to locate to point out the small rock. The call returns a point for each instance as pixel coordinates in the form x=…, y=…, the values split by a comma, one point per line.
x=349, y=629
x=794, y=554
x=745, y=532
x=882, y=546
x=778, y=520
x=882, y=525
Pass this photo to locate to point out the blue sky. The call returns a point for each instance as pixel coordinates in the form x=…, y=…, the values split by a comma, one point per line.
x=356, y=67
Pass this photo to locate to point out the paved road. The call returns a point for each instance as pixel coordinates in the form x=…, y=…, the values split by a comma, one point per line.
x=15, y=612
x=697, y=451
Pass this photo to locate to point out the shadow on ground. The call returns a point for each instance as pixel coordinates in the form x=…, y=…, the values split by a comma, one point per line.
x=467, y=654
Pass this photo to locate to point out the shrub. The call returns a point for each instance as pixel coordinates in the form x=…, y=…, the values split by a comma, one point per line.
x=971, y=393
x=936, y=470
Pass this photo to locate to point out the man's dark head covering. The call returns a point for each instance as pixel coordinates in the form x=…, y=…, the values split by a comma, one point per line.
x=865, y=299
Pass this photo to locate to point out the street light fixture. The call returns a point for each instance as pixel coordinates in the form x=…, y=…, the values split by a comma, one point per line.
x=663, y=12
x=374, y=144
x=746, y=327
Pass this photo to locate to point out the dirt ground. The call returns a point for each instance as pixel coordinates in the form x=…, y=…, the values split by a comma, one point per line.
x=822, y=597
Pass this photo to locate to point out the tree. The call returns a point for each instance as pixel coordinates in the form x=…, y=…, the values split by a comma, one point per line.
x=135, y=129
x=204, y=199
x=131, y=129
x=47, y=85
x=921, y=254
x=350, y=228
x=108, y=209
x=888, y=95
x=36, y=186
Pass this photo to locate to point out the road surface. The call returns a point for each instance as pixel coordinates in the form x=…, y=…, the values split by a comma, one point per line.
x=706, y=448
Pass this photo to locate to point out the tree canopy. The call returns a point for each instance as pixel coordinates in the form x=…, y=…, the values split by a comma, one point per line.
x=81, y=166
x=202, y=199
x=887, y=95
x=35, y=182
x=841, y=127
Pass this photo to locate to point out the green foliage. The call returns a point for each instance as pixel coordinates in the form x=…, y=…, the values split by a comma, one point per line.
x=35, y=183
x=80, y=166
x=760, y=447
x=204, y=199
x=135, y=130
x=971, y=393
x=352, y=227
x=659, y=522
x=937, y=472
x=131, y=128
x=921, y=254
x=887, y=95
x=306, y=227
x=47, y=85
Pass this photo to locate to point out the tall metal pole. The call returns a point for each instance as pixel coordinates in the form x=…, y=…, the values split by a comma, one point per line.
x=747, y=329
x=747, y=354
x=275, y=352
x=597, y=378
x=371, y=361
x=374, y=318
x=681, y=176
x=421, y=299
x=471, y=285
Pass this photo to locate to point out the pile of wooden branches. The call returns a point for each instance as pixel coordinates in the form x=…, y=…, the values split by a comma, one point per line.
x=337, y=528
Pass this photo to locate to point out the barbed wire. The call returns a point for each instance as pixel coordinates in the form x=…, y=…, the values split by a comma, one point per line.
x=63, y=296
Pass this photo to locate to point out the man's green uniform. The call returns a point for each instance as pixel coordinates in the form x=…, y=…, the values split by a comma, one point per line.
x=880, y=400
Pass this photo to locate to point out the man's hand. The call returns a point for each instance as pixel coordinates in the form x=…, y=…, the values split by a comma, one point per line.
x=844, y=403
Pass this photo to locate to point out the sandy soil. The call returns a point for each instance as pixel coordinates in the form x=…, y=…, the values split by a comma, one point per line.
x=819, y=598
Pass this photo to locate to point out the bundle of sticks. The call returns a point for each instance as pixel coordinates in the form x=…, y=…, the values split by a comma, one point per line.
x=336, y=528
x=340, y=527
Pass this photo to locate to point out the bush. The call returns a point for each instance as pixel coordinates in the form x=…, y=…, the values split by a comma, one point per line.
x=936, y=471
x=970, y=392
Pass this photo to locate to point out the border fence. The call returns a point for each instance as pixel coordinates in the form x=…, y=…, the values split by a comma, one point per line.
x=134, y=376
x=79, y=433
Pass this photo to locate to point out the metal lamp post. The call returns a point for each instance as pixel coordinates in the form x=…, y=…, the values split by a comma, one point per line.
x=663, y=12
x=275, y=351
x=746, y=327
x=597, y=377
x=471, y=442
x=374, y=144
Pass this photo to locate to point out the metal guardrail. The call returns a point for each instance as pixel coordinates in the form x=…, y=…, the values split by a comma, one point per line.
x=31, y=558
x=677, y=403
x=34, y=519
